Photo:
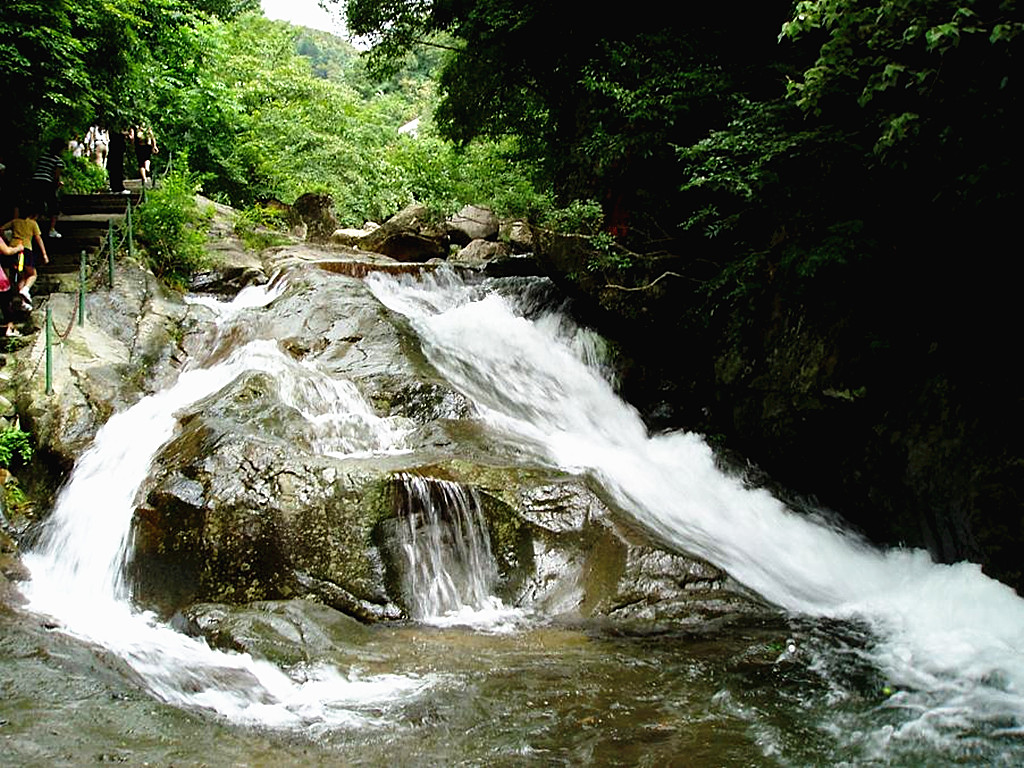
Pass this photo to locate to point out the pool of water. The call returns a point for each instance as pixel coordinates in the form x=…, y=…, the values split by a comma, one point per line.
x=750, y=692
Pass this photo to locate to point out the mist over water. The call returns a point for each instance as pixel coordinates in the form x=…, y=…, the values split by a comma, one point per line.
x=949, y=640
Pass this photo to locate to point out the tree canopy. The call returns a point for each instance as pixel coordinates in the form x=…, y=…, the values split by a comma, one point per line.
x=66, y=65
x=739, y=132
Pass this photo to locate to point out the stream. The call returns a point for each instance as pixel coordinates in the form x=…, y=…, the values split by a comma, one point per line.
x=866, y=657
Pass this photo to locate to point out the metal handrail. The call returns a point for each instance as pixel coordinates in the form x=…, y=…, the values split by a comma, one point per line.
x=112, y=246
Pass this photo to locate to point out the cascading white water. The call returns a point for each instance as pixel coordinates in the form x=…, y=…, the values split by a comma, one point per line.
x=449, y=571
x=445, y=547
x=951, y=638
x=77, y=569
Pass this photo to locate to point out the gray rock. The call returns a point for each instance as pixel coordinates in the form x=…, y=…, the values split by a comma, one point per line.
x=244, y=504
x=316, y=211
x=472, y=223
x=409, y=235
x=518, y=234
x=479, y=252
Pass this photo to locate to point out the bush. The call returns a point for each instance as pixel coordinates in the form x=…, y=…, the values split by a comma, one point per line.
x=171, y=228
x=81, y=176
x=14, y=444
x=583, y=217
x=260, y=227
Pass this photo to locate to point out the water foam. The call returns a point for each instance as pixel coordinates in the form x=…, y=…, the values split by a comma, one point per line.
x=78, y=568
x=948, y=636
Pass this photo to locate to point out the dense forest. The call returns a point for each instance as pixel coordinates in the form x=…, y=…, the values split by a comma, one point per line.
x=796, y=220
x=255, y=110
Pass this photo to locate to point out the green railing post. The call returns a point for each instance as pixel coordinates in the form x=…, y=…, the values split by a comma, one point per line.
x=81, y=290
x=49, y=351
x=128, y=220
x=110, y=253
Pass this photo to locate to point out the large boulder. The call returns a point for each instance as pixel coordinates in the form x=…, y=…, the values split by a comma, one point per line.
x=412, y=234
x=253, y=501
x=472, y=223
x=316, y=212
x=479, y=252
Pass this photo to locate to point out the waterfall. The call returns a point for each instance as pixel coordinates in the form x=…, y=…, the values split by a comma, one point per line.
x=78, y=574
x=947, y=639
x=449, y=572
x=950, y=638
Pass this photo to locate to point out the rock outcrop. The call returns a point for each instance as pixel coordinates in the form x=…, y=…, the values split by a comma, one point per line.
x=410, y=235
x=253, y=501
x=472, y=223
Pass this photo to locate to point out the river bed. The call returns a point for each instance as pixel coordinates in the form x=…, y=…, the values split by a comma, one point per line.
x=546, y=696
x=868, y=657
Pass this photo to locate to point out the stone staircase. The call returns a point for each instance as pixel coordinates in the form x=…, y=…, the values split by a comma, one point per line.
x=83, y=226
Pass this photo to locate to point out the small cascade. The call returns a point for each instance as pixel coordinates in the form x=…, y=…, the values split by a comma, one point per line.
x=339, y=420
x=951, y=637
x=250, y=297
x=78, y=566
x=449, y=571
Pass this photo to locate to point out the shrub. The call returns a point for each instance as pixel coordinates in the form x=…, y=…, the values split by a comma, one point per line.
x=81, y=176
x=171, y=228
x=582, y=217
x=14, y=444
x=260, y=227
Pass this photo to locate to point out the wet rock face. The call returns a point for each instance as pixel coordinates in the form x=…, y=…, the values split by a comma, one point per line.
x=252, y=521
x=284, y=632
x=246, y=504
x=126, y=348
x=591, y=561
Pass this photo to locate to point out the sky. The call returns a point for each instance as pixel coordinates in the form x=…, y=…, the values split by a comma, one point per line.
x=305, y=13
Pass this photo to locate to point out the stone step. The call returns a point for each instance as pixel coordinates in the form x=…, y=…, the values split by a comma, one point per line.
x=97, y=203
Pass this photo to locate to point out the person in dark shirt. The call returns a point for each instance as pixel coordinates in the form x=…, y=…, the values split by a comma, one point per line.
x=45, y=183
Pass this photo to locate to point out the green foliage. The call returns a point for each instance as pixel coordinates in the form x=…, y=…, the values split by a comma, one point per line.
x=841, y=245
x=81, y=176
x=271, y=112
x=594, y=108
x=444, y=176
x=935, y=81
x=609, y=257
x=71, y=64
x=578, y=216
x=14, y=446
x=171, y=227
x=259, y=227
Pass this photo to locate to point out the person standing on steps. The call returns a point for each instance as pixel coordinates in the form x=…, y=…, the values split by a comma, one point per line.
x=98, y=141
x=46, y=182
x=115, y=162
x=26, y=232
x=145, y=148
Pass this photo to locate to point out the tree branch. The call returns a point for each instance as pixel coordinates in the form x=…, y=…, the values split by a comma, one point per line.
x=650, y=284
